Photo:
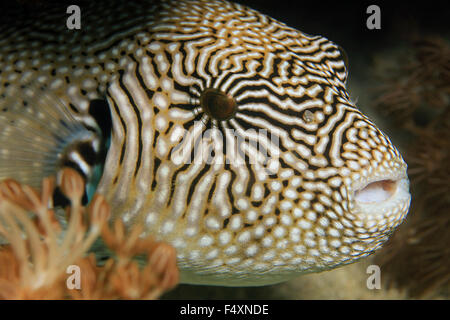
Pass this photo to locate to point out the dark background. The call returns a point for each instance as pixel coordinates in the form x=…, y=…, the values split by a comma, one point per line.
x=344, y=22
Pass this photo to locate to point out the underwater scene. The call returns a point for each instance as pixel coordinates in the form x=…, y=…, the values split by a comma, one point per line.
x=211, y=149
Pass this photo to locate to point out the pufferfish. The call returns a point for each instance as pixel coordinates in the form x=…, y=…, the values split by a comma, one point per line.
x=220, y=130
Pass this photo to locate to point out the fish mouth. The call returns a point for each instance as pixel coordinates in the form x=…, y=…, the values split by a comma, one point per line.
x=377, y=191
x=383, y=195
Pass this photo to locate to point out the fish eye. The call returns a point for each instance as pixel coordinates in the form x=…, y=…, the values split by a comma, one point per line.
x=217, y=104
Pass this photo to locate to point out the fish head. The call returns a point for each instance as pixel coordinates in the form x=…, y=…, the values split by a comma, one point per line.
x=251, y=158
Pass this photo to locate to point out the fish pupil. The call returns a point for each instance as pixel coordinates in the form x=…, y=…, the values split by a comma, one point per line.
x=217, y=104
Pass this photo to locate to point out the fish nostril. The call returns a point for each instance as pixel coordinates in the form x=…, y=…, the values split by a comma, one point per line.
x=376, y=191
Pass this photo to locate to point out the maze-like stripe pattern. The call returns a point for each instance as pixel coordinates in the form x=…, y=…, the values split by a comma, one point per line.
x=252, y=198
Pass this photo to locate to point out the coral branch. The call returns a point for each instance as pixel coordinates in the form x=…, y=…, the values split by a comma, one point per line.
x=39, y=249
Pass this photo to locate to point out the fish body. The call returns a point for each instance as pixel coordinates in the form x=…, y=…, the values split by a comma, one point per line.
x=232, y=135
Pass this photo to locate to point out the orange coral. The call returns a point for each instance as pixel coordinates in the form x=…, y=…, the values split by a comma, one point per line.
x=40, y=248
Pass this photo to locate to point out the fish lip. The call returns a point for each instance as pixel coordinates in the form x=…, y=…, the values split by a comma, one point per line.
x=398, y=195
x=377, y=190
x=394, y=174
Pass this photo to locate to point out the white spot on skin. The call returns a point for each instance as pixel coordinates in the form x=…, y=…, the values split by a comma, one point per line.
x=206, y=241
x=310, y=243
x=190, y=231
x=279, y=232
x=276, y=185
x=296, y=182
x=304, y=224
x=194, y=255
x=251, y=250
x=151, y=218
x=179, y=243
x=344, y=250
x=212, y=223
x=270, y=221
x=166, y=85
x=161, y=123
x=311, y=215
x=285, y=205
x=89, y=84
x=251, y=216
x=160, y=100
x=167, y=227
x=224, y=237
x=335, y=243
x=239, y=188
x=235, y=223
x=231, y=250
x=267, y=208
x=257, y=192
x=269, y=255
x=290, y=193
x=286, y=220
x=212, y=254
x=300, y=249
x=161, y=147
x=259, y=231
x=334, y=233
x=324, y=222
x=298, y=213
x=267, y=241
x=307, y=195
x=318, y=207
x=244, y=237
x=294, y=235
x=286, y=174
x=56, y=84
x=242, y=204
